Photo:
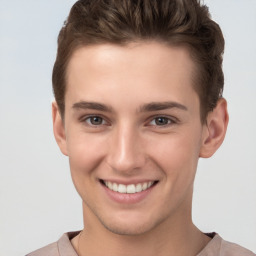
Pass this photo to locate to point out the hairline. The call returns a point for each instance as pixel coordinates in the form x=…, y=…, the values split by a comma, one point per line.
x=195, y=78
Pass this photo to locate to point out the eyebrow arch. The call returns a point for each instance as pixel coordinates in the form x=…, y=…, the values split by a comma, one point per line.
x=92, y=105
x=155, y=106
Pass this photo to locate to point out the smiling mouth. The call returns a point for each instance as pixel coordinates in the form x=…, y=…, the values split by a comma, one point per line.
x=128, y=189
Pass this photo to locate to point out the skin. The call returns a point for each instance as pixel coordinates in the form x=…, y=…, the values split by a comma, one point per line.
x=128, y=143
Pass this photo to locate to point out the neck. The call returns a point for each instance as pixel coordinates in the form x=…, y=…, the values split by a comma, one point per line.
x=178, y=238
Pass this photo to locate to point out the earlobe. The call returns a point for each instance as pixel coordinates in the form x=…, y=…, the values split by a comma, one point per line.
x=59, y=129
x=215, y=129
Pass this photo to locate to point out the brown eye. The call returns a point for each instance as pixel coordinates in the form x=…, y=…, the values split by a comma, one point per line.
x=161, y=121
x=95, y=120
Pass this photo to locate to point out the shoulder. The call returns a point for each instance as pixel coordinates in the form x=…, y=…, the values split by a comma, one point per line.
x=219, y=247
x=232, y=249
x=49, y=250
x=62, y=247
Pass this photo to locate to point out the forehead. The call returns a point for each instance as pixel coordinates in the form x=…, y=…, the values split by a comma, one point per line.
x=144, y=54
x=148, y=69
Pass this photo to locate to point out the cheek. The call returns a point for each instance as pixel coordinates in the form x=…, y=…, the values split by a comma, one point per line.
x=177, y=156
x=85, y=152
x=85, y=156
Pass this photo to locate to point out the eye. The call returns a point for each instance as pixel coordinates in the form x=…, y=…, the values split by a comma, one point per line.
x=161, y=121
x=95, y=120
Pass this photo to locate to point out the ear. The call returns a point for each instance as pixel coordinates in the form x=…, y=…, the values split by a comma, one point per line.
x=215, y=129
x=59, y=129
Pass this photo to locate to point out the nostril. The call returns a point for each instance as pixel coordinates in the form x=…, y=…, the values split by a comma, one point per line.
x=127, y=164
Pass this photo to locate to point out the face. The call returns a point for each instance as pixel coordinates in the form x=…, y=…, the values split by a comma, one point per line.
x=133, y=134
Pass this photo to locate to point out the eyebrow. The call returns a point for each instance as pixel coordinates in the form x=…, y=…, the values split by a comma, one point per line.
x=155, y=106
x=92, y=105
x=150, y=107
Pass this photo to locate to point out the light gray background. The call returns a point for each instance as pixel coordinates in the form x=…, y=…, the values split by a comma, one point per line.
x=37, y=199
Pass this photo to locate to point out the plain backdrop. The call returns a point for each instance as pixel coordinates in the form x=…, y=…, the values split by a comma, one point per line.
x=38, y=202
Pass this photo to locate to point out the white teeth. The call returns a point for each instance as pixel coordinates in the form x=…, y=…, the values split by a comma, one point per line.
x=129, y=189
x=144, y=186
x=121, y=188
x=109, y=185
x=138, y=188
x=115, y=187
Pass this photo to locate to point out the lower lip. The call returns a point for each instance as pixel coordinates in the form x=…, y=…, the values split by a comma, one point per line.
x=126, y=198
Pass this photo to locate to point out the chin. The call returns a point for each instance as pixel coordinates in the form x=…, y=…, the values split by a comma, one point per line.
x=127, y=230
x=129, y=226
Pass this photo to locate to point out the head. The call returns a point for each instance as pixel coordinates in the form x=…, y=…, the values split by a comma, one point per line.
x=138, y=87
x=184, y=23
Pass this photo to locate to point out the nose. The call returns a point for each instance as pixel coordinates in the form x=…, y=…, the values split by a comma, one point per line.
x=126, y=153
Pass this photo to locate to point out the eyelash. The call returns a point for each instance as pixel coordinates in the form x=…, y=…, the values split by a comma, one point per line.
x=170, y=121
x=89, y=118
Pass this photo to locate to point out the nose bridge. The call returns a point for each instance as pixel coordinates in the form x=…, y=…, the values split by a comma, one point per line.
x=126, y=150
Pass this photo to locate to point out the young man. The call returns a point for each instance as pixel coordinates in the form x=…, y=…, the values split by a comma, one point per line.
x=138, y=88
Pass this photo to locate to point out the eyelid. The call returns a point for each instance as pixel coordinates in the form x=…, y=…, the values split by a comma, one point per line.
x=172, y=119
x=86, y=117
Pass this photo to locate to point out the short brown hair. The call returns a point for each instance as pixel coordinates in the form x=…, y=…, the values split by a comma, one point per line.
x=175, y=22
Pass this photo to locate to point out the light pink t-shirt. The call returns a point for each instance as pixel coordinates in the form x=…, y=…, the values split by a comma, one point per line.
x=216, y=247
